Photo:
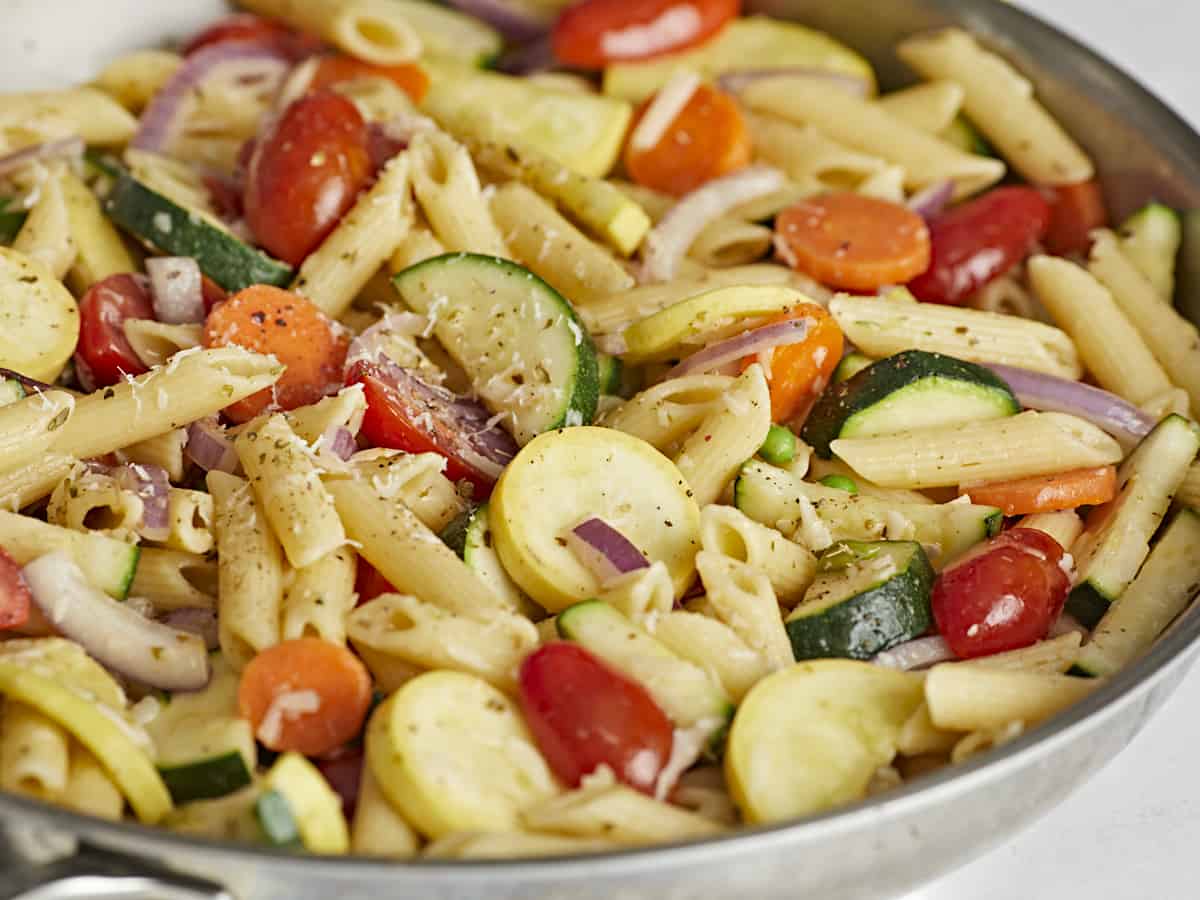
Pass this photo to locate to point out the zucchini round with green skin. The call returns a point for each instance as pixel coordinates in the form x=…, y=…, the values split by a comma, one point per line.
x=164, y=225
x=519, y=340
x=811, y=737
x=913, y=389
x=11, y=390
x=206, y=779
x=275, y=818
x=1151, y=238
x=867, y=597
x=611, y=373
x=470, y=536
x=851, y=365
x=11, y=220
x=566, y=476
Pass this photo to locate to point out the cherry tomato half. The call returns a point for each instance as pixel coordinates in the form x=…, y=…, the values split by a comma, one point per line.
x=15, y=598
x=306, y=174
x=246, y=27
x=103, y=355
x=979, y=241
x=1076, y=210
x=584, y=714
x=593, y=33
x=1002, y=596
x=369, y=583
x=337, y=68
x=343, y=770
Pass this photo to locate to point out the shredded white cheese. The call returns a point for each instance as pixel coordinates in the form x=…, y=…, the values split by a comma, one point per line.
x=668, y=103
x=813, y=532
x=162, y=222
x=287, y=706
x=898, y=527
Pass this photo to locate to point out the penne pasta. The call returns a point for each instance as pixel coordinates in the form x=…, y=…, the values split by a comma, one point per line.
x=320, y=597
x=789, y=567
x=974, y=698
x=373, y=30
x=931, y=106
x=99, y=250
x=34, y=753
x=132, y=79
x=174, y=579
x=447, y=187
x=154, y=343
x=46, y=235
x=83, y=112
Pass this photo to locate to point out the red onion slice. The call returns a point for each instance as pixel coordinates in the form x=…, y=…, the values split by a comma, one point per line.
x=194, y=620
x=161, y=117
x=528, y=59
x=668, y=242
x=747, y=343
x=176, y=289
x=738, y=80
x=340, y=442
x=210, y=448
x=112, y=632
x=31, y=385
x=518, y=20
x=930, y=202
x=919, y=654
x=605, y=552
x=69, y=147
x=1120, y=418
x=153, y=487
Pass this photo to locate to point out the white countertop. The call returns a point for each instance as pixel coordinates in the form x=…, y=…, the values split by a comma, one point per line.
x=1133, y=831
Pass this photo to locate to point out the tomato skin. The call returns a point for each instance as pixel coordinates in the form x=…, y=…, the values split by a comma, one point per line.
x=15, y=597
x=392, y=418
x=1003, y=596
x=584, y=714
x=246, y=27
x=306, y=174
x=584, y=33
x=369, y=583
x=979, y=241
x=343, y=770
x=337, y=68
x=103, y=310
x=1076, y=210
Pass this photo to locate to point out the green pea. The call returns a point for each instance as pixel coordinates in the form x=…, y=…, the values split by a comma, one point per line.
x=780, y=446
x=840, y=483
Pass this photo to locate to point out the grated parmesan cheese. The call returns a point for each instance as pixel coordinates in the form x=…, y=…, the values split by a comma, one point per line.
x=287, y=706
x=668, y=103
x=813, y=532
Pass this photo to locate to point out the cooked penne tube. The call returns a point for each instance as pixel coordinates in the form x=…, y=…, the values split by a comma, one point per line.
x=100, y=252
x=805, y=154
x=373, y=30
x=173, y=579
x=165, y=450
x=287, y=482
x=869, y=128
x=664, y=414
x=29, y=427
x=1053, y=656
x=192, y=385
x=84, y=112
x=447, y=187
x=34, y=752
x=320, y=597
x=1001, y=103
x=1113, y=351
x=132, y=79
x=89, y=788
x=882, y=329
x=642, y=595
x=1064, y=526
x=788, y=566
x=731, y=242
x=414, y=480
x=1031, y=443
x=46, y=235
x=34, y=481
x=190, y=515
x=378, y=830
x=930, y=106
x=973, y=698
x=743, y=599
x=1171, y=338
x=154, y=343
x=709, y=642
x=1189, y=492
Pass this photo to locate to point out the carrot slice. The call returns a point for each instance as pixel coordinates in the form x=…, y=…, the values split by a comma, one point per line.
x=1076, y=210
x=853, y=242
x=334, y=69
x=707, y=139
x=306, y=695
x=271, y=320
x=1047, y=493
x=797, y=373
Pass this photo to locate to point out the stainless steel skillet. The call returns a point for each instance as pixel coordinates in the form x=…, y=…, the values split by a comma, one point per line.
x=878, y=848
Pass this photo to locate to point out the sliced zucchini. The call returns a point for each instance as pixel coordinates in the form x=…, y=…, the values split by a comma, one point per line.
x=278, y=824
x=686, y=692
x=611, y=373
x=564, y=477
x=659, y=337
x=966, y=137
x=11, y=391
x=1151, y=238
x=452, y=753
x=448, y=34
x=810, y=738
x=11, y=220
x=851, y=364
x=584, y=132
x=1164, y=587
x=867, y=597
x=470, y=536
x=774, y=497
x=314, y=807
x=526, y=351
x=39, y=319
x=911, y=390
x=164, y=225
x=106, y=563
x=756, y=40
x=1117, y=538
x=231, y=818
x=205, y=749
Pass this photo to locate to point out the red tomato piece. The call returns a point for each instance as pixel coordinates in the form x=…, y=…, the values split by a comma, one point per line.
x=306, y=174
x=246, y=27
x=15, y=598
x=593, y=33
x=212, y=293
x=584, y=714
x=979, y=241
x=404, y=413
x=1002, y=596
x=103, y=355
x=1076, y=210
x=337, y=68
x=343, y=770
x=369, y=583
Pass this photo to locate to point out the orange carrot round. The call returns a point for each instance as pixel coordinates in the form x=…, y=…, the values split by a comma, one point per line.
x=271, y=320
x=336, y=68
x=853, y=242
x=306, y=695
x=706, y=140
x=1047, y=493
x=797, y=373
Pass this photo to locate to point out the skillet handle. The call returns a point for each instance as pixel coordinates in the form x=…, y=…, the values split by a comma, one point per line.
x=94, y=874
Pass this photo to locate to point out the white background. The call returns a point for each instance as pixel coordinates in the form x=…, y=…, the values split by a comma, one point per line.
x=1132, y=832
